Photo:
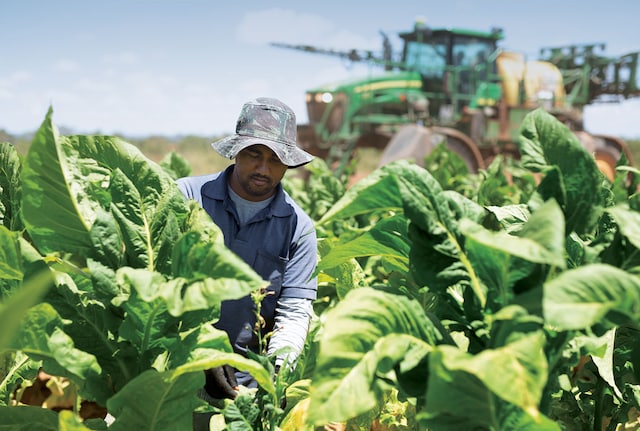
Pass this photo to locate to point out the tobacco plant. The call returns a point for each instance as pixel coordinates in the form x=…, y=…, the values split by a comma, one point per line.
x=519, y=316
x=113, y=284
x=506, y=300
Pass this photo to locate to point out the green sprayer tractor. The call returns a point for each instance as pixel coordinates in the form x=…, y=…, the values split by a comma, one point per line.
x=459, y=87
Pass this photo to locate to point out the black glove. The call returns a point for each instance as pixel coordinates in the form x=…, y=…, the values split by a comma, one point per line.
x=221, y=382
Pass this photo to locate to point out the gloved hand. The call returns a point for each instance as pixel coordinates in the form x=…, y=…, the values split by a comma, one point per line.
x=221, y=382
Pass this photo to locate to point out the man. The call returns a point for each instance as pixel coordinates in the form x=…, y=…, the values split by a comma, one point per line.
x=267, y=229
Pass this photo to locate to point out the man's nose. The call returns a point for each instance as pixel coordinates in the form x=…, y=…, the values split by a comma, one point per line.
x=262, y=166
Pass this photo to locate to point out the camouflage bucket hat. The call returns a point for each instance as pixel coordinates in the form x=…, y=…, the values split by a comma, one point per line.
x=269, y=122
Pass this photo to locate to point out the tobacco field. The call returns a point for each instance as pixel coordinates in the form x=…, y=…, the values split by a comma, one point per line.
x=503, y=300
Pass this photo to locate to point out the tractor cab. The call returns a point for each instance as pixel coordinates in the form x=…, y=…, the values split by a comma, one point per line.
x=454, y=64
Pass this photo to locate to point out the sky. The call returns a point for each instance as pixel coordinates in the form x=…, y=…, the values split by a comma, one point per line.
x=185, y=67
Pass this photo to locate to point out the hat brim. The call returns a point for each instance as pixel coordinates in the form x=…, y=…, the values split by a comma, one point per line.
x=289, y=155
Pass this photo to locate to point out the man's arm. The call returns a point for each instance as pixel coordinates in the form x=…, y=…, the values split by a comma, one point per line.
x=299, y=289
x=291, y=327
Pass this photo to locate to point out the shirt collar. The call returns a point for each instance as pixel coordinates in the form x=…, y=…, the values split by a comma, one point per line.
x=217, y=189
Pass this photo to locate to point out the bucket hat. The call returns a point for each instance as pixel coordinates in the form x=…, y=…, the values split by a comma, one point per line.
x=265, y=121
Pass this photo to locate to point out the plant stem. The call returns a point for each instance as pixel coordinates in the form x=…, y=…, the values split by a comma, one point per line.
x=598, y=398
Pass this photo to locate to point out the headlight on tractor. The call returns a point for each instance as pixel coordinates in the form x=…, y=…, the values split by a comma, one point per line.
x=325, y=97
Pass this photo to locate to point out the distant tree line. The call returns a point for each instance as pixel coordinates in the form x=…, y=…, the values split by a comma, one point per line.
x=195, y=149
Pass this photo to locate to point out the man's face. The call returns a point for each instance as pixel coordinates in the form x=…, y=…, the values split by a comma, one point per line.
x=257, y=172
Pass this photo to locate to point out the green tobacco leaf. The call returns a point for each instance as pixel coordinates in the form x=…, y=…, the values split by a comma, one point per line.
x=150, y=227
x=551, y=186
x=107, y=242
x=205, y=271
x=240, y=415
x=345, y=276
x=166, y=229
x=196, y=256
x=387, y=238
x=628, y=222
x=204, y=357
x=514, y=419
x=70, y=421
x=589, y=295
x=176, y=165
x=41, y=337
x=491, y=263
x=67, y=181
x=362, y=389
x=28, y=418
x=438, y=259
x=376, y=192
x=128, y=210
x=92, y=325
x=17, y=369
x=51, y=210
x=10, y=259
x=150, y=324
x=510, y=217
x=463, y=207
x=364, y=337
x=433, y=214
x=546, y=227
x=202, y=343
x=462, y=386
x=539, y=240
x=504, y=182
x=314, y=187
x=19, y=261
x=156, y=311
x=545, y=142
x=603, y=358
x=10, y=187
x=156, y=401
x=446, y=164
x=147, y=324
x=511, y=323
x=199, y=220
x=13, y=309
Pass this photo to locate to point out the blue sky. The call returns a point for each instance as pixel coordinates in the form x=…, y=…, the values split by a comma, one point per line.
x=141, y=67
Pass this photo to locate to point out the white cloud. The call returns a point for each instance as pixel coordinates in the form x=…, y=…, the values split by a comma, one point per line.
x=20, y=76
x=95, y=85
x=10, y=85
x=141, y=102
x=65, y=65
x=281, y=24
x=126, y=58
x=288, y=26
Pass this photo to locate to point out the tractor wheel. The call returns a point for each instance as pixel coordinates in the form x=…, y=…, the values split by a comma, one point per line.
x=606, y=150
x=464, y=147
x=415, y=142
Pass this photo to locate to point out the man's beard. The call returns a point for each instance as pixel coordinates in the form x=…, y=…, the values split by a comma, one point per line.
x=258, y=190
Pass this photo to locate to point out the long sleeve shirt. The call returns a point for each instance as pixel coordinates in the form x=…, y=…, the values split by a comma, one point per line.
x=279, y=243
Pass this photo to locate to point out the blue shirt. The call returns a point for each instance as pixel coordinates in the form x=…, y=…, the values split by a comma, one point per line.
x=279, y=243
